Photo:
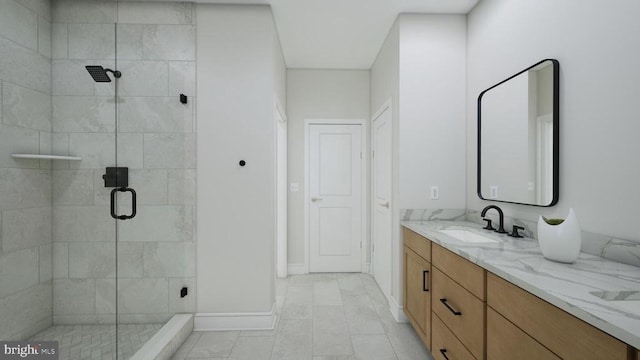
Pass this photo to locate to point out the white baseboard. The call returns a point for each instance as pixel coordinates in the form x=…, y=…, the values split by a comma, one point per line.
x=397, y=310
x=297, y=269
x=235, y=321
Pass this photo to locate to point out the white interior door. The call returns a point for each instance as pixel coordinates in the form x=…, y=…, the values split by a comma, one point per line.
x=381, y=200
x=335, y=204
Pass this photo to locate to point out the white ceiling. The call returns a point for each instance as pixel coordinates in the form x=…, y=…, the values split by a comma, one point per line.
x=342, y=34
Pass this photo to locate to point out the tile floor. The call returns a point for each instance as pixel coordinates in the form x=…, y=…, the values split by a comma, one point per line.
x=321, y=317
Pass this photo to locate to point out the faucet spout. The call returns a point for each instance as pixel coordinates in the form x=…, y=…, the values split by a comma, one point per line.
x=500, y=229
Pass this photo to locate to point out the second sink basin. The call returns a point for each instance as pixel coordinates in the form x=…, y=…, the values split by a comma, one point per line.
x=468, y=236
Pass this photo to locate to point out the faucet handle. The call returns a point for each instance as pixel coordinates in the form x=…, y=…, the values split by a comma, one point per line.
x=514, y=232
x=488, y=227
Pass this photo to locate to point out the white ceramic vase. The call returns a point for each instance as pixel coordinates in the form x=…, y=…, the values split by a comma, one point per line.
x=560, y=241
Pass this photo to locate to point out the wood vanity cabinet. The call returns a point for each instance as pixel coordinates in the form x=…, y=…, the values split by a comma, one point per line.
x=417, y=284
x=560, y=333
x=458, y=301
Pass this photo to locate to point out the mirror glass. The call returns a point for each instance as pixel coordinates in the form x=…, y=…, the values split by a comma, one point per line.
x=518, y=137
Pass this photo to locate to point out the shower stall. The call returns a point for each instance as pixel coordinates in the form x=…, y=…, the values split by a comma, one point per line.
x=97, y=172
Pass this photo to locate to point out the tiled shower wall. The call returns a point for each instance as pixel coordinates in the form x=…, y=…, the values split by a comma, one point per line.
x=25, y=185
x=155, y=136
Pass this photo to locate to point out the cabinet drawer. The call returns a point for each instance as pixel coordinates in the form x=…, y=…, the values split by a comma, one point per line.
x=461, y=270
x=443, y=339
x=461, y=312
x=507, y=341
x=417, y=243
x=417, y=295
x=560, y=332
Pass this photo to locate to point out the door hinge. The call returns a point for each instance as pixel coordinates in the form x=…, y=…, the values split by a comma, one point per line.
x=360, y=244
x=373, y=154
x=373, y=247
x=360, y=154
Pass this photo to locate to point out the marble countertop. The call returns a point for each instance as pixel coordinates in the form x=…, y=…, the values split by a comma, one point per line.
x=603, y=293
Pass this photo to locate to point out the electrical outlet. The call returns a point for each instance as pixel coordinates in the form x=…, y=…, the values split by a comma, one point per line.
x=493, y=192
x=435, y=193
x=294, y=187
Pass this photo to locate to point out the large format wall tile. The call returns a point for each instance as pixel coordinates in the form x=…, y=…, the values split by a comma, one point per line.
x=182, y=187
x=150, y=185
x=129, y=41
x=18, y=140
x=14, y=56
x=83, y=224
x=155, y=13
x=186, y=304
x=19, y=24
x=182, y=78
x=85, y=11
x=105, y=296
x=158, y=223
x=134, y=296
x=130, y=258
x=73, y=296
x=73, y=187
x=92, y=260
x=83, y=114
x=60, y=260
x=59, y=41
x=168, y=151
x=20, y=271
x=96, y=149
x=154, y=115
x=144, y=78
x=92, y=41
x=169, y=42
x=46, y=262
x=24, y=188
x=69, y=77
x=169, y=259
x=44, y=37
x=41, y=7
x=26, y=228
x=31, y=306
x=25, y=107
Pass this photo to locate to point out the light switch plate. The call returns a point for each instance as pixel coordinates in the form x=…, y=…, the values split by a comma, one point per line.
x=294, y=187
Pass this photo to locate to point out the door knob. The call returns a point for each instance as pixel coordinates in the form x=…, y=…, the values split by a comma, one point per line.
x=314, y=199
x=385, y=204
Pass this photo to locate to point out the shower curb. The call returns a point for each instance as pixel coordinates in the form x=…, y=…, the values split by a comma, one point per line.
x=167, y=340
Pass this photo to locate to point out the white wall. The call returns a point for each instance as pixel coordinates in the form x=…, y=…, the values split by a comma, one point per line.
x=238, y=75
x=316, y=94
x=422, y=69
x=596, y=45
x=432, y=110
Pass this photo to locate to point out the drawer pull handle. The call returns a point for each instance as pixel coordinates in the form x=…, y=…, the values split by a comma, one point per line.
x=444, y=353
x=424, y=280
x=456, y=313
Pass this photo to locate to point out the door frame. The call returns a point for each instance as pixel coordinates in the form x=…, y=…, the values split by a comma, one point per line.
x=280, y=120
x=364, y=168
x=386, y=105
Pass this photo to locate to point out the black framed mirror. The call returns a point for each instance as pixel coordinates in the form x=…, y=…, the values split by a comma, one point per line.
x=518, y=137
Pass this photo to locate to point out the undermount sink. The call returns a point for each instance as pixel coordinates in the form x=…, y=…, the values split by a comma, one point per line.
x=468, y=236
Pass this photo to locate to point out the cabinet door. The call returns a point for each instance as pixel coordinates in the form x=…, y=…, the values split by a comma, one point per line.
x=417, y=297
x=507, y=341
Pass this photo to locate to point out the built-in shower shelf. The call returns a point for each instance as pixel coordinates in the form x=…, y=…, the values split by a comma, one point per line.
x=45, y=157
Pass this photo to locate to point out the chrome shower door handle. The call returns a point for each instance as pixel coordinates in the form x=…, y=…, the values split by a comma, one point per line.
x=113, y=203
x=386, y=204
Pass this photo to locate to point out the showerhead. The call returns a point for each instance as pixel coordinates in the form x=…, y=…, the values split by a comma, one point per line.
x=99, y=74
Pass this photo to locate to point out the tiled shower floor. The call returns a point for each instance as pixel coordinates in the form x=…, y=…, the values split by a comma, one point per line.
x=77, y=342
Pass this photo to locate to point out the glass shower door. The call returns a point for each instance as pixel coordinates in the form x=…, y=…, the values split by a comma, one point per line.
x=155, y=143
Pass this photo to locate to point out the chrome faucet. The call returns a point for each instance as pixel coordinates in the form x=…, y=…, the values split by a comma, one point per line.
x=500, y=213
